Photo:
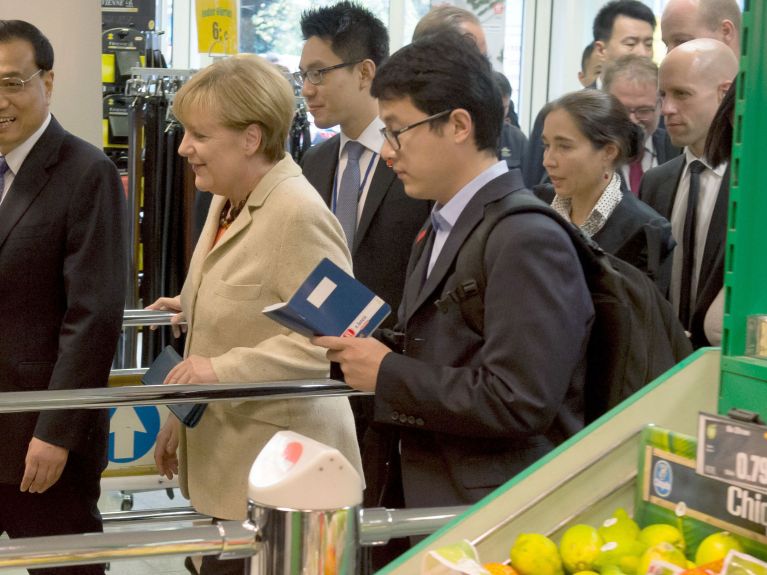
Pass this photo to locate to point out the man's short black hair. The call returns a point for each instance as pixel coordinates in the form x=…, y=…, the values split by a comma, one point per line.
x=20, y=30
x=445, y=71
x=503, y=83
x=354, y=32
x=605, y=18
x=587, y=52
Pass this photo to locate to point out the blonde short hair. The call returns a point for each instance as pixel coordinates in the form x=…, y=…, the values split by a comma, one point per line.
x=241, y=90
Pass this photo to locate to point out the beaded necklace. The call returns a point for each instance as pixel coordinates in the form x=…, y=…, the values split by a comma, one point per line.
x=229, y=214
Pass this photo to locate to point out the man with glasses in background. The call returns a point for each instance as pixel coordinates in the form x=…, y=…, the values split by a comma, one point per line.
x=345, y=45
x=63, y=269
x=634, y=81
x=472, y=407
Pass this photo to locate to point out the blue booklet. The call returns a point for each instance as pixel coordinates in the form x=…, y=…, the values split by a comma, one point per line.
x=188, y=413
x=331, y=302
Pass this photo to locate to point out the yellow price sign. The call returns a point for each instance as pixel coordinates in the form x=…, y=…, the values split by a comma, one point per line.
x=217, y=26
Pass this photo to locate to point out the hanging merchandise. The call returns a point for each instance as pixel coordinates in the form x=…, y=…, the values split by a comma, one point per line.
x=161, y=193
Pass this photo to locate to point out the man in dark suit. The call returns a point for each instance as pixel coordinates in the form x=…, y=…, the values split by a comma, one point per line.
x=63, y=264
x=345, y=44
x=693, y=80
x=634, y=81
x=472, y=409
x=620, y=27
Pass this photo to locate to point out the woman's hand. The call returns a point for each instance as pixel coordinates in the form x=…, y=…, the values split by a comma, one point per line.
x=194, y=369
x=166, y=448
x=177, y=322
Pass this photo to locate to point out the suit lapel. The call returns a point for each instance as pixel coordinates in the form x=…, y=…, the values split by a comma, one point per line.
x=31, y=179
x=383, y=177
x=419, y=262
x=323, y=172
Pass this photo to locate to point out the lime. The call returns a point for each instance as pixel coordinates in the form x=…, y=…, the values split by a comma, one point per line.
x=715, y=547
x=664, y=551
x=661, y=532
x=579, y=548
x=623, y=554
x=619, y=527
x=535, y=554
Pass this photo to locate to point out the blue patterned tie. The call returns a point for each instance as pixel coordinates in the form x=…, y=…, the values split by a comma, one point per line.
x=3, y=169
x=348, y=191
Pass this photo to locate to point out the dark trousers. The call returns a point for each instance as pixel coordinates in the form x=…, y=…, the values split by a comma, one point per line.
x=69, y=506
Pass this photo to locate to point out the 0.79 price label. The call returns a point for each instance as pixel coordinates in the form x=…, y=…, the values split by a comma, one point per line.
x=732, y=451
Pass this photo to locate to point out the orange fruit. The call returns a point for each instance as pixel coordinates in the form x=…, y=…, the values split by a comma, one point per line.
x=499, y=569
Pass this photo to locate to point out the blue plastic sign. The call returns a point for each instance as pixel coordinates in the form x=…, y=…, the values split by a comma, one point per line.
x=132, y=432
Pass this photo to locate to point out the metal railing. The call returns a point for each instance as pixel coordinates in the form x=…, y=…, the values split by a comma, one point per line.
x=227, y=539
x=99, y=398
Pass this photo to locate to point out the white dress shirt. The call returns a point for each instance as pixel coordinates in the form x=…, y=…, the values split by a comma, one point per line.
x=710, y=182
x=373, y=141
x=16, y=157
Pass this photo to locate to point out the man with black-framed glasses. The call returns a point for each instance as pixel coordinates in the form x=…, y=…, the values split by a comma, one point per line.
x=345, y=45
x=473, y=405
x=633, y=80
x=63, y=264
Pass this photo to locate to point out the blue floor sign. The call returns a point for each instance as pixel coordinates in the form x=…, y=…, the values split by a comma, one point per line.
x=132, y=432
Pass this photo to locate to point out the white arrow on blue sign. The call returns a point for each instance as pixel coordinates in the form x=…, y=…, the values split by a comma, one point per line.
x=132, y=432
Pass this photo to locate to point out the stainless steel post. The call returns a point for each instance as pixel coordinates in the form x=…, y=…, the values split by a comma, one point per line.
x=306, y=542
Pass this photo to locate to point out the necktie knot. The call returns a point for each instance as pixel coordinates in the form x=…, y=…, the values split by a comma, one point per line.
x=354, y=150
x=696, y=167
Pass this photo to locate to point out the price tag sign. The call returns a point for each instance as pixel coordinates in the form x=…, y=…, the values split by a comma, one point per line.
x=217, y=26
x=732, y=451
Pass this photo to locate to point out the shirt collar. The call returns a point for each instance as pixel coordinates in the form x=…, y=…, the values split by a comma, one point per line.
x=602, y=210
x=15, y=158
x=690, y=157
x=370, y=137
x=443, y=217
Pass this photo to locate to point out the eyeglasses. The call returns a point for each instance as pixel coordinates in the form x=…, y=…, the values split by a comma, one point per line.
x=643, y=113
x=316, y=76
x=392, y=136
x=15, y=85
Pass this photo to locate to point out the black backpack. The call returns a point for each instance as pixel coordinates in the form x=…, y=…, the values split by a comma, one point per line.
x=635, y=336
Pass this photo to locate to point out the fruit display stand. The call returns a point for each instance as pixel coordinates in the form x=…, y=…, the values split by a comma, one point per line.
x=586, y=478
x=596, y=471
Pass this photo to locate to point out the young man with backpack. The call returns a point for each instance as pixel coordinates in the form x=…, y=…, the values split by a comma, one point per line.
x=472, y=408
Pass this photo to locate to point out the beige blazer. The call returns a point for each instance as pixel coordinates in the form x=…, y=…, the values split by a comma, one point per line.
x=282, y=233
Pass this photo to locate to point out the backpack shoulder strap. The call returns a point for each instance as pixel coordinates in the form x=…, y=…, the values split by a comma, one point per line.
x=469, y=290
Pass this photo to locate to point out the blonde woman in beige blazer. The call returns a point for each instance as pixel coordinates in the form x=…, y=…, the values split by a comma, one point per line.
x=267, y=228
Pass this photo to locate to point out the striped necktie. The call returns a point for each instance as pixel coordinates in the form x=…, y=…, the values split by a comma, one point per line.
x=349, y=191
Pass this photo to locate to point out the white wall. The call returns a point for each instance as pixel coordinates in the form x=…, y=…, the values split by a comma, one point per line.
x=74, y=29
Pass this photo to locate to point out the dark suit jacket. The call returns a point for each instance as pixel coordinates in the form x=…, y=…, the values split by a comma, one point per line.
x=513, y=146
x=635, y=233
x=63, y=264
x=475, y=410
x=658, y=189
x=387, y=228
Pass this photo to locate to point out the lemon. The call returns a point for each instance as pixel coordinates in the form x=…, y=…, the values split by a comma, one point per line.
x=622, y=554
x=619, y=527
x=715, y=547
x=586, y=573
x=661, y=532
x=579, y=547
x=535, y=554
x=664, y=551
